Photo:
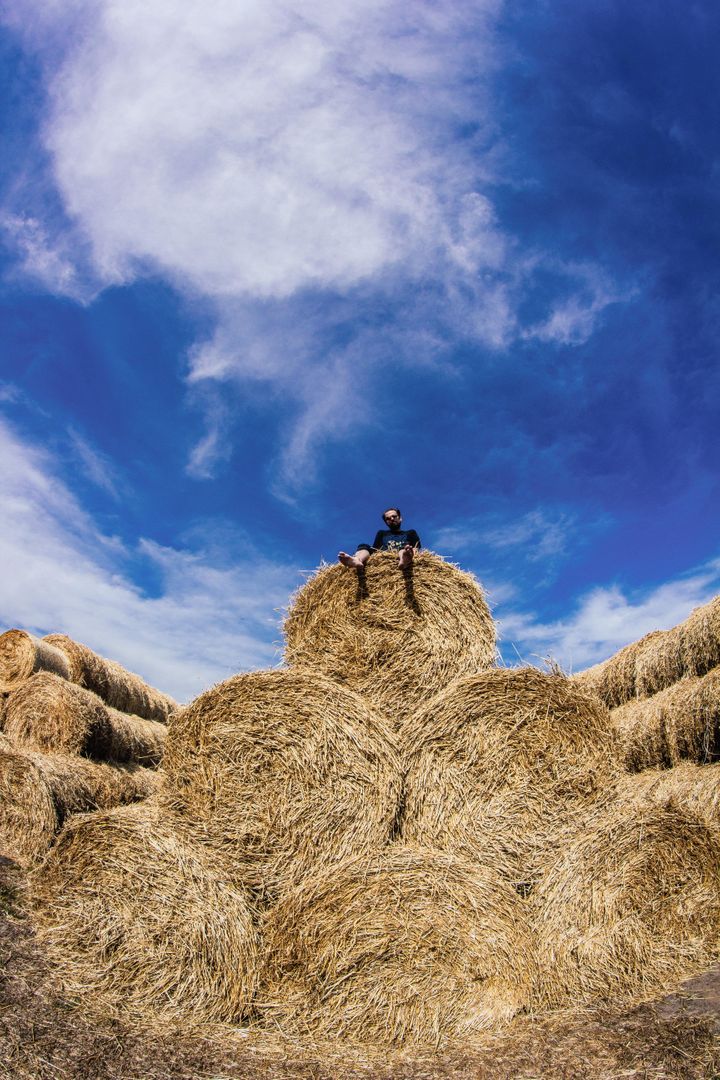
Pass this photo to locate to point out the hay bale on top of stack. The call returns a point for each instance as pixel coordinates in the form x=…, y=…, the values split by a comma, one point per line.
x=500, y=765
x=407, y=944
x=142, y=923
x=282, y=772
x=395, y=638
x=630, y=908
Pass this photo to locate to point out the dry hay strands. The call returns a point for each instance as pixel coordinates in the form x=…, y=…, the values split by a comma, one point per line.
x=695, y=788
x=394, y=637
x=678, y=724
x=630, y=909
x=409, y=945
x=659, y=659
x=49, y=713
x=38, y=792
x=21, y=655
x=141, y=924
x=283, y=769
x=117, y=687
x=502, y=762
x=615, y=680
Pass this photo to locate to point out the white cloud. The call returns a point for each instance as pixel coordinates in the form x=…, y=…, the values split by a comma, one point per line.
x=607, y=619
x=94, y=465
x=210, y=619
x=284, y=160
x=541, y=534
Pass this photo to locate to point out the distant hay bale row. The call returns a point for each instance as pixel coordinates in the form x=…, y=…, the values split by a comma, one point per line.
x=406, y=945
x=681, y=723
x=395, y=638
x=659, y=659
x=49, y=713
x=38, y=792
x=281, y=770
x=22, y=655
x=141, y=923
x=500, y=764
x=694, y=788
x=629, y=908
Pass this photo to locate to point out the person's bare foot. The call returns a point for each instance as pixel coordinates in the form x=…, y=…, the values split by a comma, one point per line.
x=350, y=560
x=406, y=557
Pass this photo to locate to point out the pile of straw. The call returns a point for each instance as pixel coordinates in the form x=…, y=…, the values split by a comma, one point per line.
x=21, y=655
x=678, y=724
x=630, y=908
x=407, y=945
x=695, y=788
x=283, y=770
x=140, y=922
x=393, y=637
x=38, y=792
x=49, y=713
x=501, y=764
x=659, y=659
x=117, y=687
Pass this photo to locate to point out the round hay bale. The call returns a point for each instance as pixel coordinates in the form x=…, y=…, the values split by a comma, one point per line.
x=117, y=687
x=283, y=769
x=659, y=662
x=141, y=924
x=393, y=637
x=701, y=639
x=28, y=818
x=21, y=655
x=40, y=791
x=679, y=723
x=500, y=764
x=409, y=945
x=49, y=713
x=695, y=788
x=630, y=908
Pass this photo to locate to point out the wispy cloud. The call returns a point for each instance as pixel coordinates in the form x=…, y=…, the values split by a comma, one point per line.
x=606, y=619
x=322, y=174
x=209, y=619
x=542, y=534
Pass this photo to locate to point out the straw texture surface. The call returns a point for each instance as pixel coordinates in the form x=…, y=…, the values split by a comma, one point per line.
x=21, y=654
x=49, y=713
x=659, y=659
x=394, y=637
x=630, y=908
x=695, y=788
x=284, y=770
x=405, y=946
x=140, y=922
x=117, y=687
x=40, y=791
x=500, y=764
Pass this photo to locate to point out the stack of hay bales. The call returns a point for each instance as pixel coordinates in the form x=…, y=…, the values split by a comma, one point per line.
x=664, y=692
x=66, y=750
x=408, y=844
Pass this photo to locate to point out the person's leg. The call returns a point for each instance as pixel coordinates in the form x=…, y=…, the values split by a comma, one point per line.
x=406, y=557
x=357, y=561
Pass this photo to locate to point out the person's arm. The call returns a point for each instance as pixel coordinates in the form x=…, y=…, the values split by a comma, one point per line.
x=414, y=539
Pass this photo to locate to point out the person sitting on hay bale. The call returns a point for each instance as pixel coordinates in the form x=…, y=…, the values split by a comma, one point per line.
x=405, y=541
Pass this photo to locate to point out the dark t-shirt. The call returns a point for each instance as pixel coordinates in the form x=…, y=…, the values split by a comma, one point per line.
x=394, y=539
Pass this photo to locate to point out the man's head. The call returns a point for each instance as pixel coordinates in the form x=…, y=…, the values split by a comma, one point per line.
x=392, y=518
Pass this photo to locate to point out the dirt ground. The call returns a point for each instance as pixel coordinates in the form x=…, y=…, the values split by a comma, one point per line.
x=43, y=1036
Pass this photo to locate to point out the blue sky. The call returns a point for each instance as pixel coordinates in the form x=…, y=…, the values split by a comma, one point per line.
x=268, y=268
